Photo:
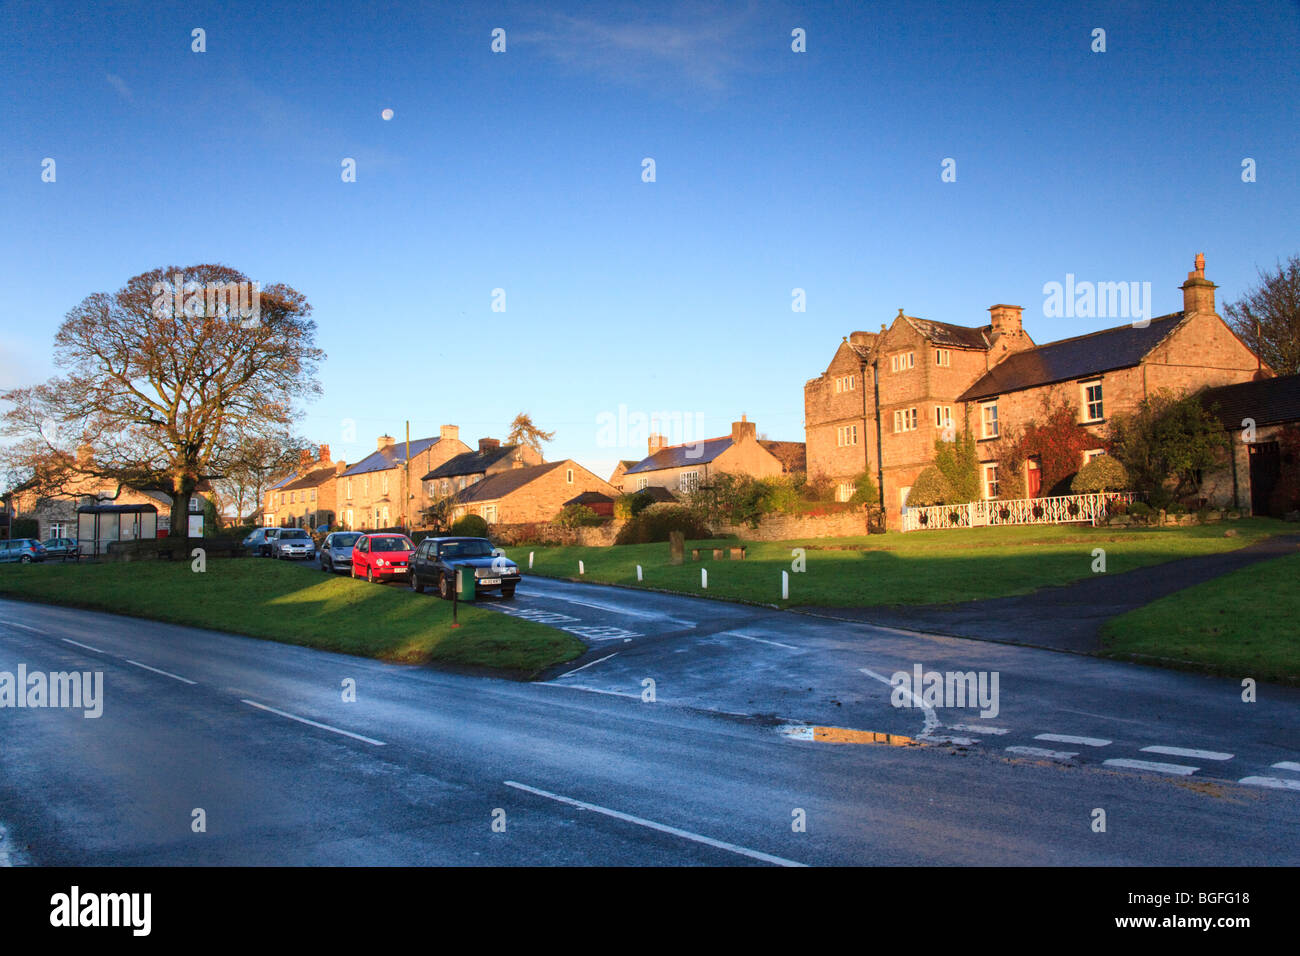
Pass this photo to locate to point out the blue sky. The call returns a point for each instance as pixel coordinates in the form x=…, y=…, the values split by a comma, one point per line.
x=522, y=171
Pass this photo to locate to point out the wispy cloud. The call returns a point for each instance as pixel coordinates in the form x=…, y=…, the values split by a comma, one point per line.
x=700, y=49
x=119, y=84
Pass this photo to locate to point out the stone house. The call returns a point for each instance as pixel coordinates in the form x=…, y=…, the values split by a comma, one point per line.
x=306, y=497
x=464, y=469
x=616, y=478
x=885, y=397
x=531, y=493
x=683, y=468
x=384, y=489
x=1254, y=416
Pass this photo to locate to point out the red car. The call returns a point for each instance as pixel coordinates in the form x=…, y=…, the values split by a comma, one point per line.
x=378, y=557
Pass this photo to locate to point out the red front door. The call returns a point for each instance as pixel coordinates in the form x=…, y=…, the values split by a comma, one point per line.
x=1034, y=483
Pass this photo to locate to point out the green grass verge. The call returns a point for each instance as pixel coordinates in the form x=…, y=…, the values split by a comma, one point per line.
x=1242, y=625
x=295, y=605
x=924, y=567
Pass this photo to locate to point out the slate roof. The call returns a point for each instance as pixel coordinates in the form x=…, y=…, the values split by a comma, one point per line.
x=793, y=455
x=504, y=482
x=313, y=479
x=677, y=456
x=470, y=463
x=390, y=457
x=590, y=498
x=656, y=493
x=1269, y=401
x=1079, y=357
x=948, y=335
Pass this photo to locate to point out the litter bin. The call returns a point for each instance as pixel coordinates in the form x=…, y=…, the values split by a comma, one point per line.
x=465, y=584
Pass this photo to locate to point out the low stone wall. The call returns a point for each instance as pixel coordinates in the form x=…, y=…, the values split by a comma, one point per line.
x=794, y=527
x=596, y=536
x=173, y=549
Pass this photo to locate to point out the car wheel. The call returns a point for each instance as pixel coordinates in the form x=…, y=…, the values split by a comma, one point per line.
x=416, y=584
x=508, y=593
x=370, y=574
x=444, y=587
x=354, y=571
x=26, y=559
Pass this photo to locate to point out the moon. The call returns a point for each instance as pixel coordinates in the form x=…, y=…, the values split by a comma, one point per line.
x=387, y=114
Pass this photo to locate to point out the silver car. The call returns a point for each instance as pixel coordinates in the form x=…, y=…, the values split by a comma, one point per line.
x=336, y=551
x=293, y=543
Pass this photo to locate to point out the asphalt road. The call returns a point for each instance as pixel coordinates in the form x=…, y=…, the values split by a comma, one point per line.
x=582, y=769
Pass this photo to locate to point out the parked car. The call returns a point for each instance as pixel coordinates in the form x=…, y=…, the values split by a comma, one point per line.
x=293, y=543
x=336, y=551
x=65, y=549
x=381, y=555
x=261, y=541
x=24, y=550
x=437, y=560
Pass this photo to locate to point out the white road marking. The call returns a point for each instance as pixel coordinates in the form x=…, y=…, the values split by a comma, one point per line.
x=615, y=609
x=931, y=719
x=313, y=723
x=1287, y=765
x=948, y=739
x=183, y=680
x=79, y=644
x=586, y=665
x=1181, y=769
x=978, y=729
x=796, y=732
x=25, y=627
x=1183, y=752
x=1081, y=741
x=661, y=827
x=1277, y=783
x=788, y=647
x=594, y=690
x=1040, y=752
x=601, y=632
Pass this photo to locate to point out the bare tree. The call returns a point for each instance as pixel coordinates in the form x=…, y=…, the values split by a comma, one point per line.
x=524, y=432
x=165, y=379
x=1268, y=318
x=257, y=463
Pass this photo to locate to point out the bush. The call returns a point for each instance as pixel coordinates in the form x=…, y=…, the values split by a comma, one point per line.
x=958, y=461
x=865, y=491
x=1140, y=509
x=470, y=526
x=658, y=521
x=1103, y=473
x=576, y=516
x=24, y=528
x=930, y=488
x=632, y=504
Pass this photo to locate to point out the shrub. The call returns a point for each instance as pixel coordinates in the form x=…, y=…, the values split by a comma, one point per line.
x=632, y=504
x=1103, y=473
x=777, y=495
x=958, y=461
x=930, y=488
x=1167, y=440
x=470, y=526
x=865, y=491
x=658, y=521
x=576, y=516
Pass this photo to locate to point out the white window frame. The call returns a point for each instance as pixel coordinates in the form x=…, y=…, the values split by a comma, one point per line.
x=1088, y=402
x=642, y=484
x=905, y=420
x=844, y=384
x=846, y=436
x=384, y=484
x=568, y=476
x=688, y=481
x=943, y=416
x=58, y=530
x=349, y=490
x=351, y=519
x=1092, y=453
x=989, y=480
x=489, y=513
x=987, y=420
x=845, y=490
x=943, y=358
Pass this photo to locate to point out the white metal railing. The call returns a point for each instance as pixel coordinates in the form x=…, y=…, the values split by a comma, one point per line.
x=976, y=514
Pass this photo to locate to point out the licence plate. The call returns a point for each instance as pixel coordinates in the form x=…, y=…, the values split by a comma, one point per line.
x=489, y=580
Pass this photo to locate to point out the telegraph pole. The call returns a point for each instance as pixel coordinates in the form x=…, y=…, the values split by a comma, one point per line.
x=406, y=481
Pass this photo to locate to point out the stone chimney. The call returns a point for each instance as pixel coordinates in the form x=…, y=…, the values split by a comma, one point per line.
x=1006, y=319
x=1198, y=291
x=743, y=429
x=657, y=442
x=488, y=444
x=340, y=467
x=449, y=433
x=324, y=454
x=385, y=441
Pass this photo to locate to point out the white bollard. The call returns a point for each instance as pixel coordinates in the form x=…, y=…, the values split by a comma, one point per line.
x=638, y=572
x=581, y=568
x=785, y=585
x=704, y=577
x=530, y=560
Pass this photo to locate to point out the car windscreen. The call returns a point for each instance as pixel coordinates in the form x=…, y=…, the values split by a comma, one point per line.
x=343, y=540
x=391, y=544
x=294, y=535
x=465, y=549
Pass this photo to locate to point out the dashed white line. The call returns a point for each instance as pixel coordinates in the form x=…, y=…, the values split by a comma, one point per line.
x=1040, y=752
x=1184, y=752
x=1081, y=741
x=746, y=637
x=313, y=723
x=1287, y=765
x=1177, y=768
x=69, y=640
x=977, y=729
x=183, y=680
x=651, y=824
x=586, y=665
x=594, y=690
x=25, y=627
x=1277, y=783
